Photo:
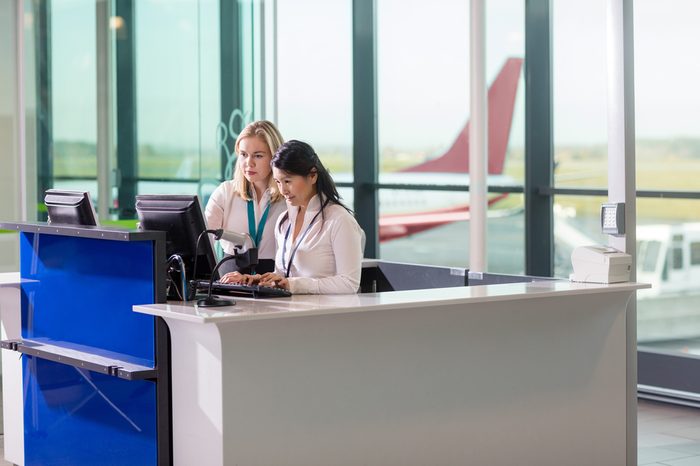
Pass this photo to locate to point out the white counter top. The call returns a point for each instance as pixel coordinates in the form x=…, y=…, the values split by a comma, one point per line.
x=304, y=305
x=12, y=279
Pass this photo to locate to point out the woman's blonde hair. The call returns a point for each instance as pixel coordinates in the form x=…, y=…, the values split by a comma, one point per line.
x=269, y=133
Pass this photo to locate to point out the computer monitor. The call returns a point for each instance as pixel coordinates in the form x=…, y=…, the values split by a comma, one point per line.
x=70, y=207
x=180, y=216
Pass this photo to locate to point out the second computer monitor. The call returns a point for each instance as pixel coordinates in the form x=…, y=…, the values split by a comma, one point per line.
x=180, y=216
x=70, y=207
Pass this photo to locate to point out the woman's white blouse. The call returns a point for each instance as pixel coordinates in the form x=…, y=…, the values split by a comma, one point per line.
x=227, y=210
x=328, y=259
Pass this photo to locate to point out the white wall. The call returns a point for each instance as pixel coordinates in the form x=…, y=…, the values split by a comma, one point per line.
x=10, y=178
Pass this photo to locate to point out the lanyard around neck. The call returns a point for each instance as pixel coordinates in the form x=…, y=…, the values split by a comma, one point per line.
x=299, y=241
x=256, y=234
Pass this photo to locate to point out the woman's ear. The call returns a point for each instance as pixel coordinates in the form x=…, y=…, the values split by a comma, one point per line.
x=313, y=175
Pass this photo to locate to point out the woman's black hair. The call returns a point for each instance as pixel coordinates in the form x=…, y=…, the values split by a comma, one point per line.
x=298, y=158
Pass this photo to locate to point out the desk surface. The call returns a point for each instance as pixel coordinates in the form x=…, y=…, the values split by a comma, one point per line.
x=304, y=305
x=13, y=280
x=84, y=231
x=10, y=279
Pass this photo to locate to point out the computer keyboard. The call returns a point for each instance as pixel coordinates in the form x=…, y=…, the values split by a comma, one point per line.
x=230, y=289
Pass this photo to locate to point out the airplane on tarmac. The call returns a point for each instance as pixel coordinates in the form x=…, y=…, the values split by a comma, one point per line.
x=452, y=167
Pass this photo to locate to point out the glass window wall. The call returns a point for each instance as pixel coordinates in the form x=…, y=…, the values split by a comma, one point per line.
x=177, y=69
x=579, y=65
x=579, y=94
x=668, y=247
x=314, y=80
x=668, y=158
x=423, y=112
x=72, y=115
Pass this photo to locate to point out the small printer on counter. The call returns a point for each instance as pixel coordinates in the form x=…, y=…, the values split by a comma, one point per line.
x=600, y=264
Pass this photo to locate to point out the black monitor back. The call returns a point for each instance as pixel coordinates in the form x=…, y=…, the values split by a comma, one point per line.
x=180, y=216
x=70, y=207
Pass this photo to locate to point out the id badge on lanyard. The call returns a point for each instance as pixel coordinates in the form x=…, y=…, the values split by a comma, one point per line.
x=288, y=268
x=256, y=233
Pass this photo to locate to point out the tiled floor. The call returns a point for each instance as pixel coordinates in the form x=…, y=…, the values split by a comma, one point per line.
x=2, y=452
x=668, y=435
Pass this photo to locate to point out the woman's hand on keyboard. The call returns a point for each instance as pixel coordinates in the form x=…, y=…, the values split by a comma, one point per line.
x=239, y=278
x=231, y=277
x=274, y=280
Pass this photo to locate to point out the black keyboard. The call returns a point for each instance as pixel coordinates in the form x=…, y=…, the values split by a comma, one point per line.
x=230, y=289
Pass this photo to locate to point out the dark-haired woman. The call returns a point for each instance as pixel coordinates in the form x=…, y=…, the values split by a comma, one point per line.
x=319, y=243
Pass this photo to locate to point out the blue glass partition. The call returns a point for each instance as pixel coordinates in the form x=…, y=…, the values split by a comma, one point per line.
x=83, y=290
x=84, y=401
x=77, y=417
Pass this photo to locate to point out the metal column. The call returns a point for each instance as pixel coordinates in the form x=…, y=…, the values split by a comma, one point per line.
x=621, y=176
x=478, y=138
x=539, y=221
x=126, y=140
x=231, y=74
x=104, y=105
x=365, y=147
x=44, y=111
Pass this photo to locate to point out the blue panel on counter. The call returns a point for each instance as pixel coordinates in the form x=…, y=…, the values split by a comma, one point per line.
x=84, y=290
x=77, y=417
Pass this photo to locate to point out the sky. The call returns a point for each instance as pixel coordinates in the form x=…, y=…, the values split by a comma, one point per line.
x=422, y=69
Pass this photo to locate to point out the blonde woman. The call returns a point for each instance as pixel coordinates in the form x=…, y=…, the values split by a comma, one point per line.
x=250, y=202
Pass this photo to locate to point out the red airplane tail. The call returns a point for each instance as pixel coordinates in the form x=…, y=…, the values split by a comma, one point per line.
x=501, y=104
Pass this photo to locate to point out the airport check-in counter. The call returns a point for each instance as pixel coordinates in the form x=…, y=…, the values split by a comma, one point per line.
x=85, y=379
x=416, y=369
x=506, y=370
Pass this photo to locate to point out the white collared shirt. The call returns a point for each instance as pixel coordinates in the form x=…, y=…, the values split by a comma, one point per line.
x=226, y=209
x=328, y=258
